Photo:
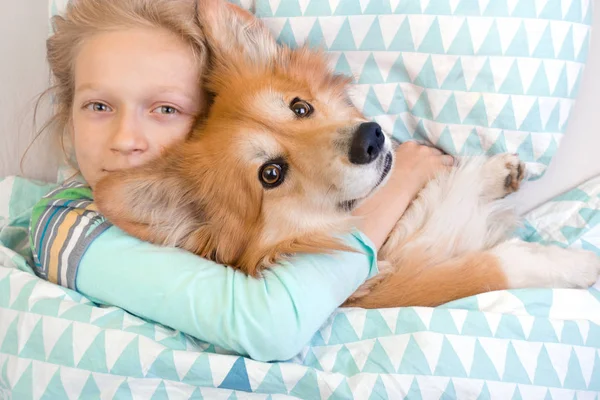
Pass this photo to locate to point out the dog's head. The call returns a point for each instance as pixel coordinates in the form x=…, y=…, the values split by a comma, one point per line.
x=275, y=168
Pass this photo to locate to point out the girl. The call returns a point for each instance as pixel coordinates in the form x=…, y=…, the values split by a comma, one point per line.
x=128, y=82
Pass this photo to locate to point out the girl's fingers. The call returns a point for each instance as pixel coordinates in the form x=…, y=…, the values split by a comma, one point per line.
x=447, y=160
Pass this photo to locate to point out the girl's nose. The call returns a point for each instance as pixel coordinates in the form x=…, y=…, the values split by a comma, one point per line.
x=128, y=136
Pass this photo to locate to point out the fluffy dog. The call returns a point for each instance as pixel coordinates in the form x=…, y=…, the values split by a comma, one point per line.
x=282, y=158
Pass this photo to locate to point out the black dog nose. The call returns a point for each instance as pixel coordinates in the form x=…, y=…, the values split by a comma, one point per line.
x=367, y=143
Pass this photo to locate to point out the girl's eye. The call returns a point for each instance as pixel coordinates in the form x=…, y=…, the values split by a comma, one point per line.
x=166, y=110
x=98, y=107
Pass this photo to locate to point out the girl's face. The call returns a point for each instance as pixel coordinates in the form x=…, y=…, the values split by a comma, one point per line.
x=136, y=92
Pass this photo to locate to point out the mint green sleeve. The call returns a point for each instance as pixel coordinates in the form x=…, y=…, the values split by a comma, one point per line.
x=269, y=318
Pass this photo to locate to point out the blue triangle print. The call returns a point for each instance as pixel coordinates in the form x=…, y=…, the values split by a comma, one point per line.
x=163, y=367
x=408, y=7
x=90, y=389
x=539, y=85
x=378, y=392
x=462, y=45
x=342, y=67
x=570, y=334
x=575, y=90
x=263, y=9
x=506, y=118
x=161, y=392
x=545, y=47
x=421, y=133
x=514, y=371
x=341, y=331
x=344, y=41
x=413, y=360
x=398, y=72
x=552, y=10
x=485, y=393
x=472, y=146
x=55, y=389
x=552, y=124
x=525, y=150
x=398, y=104
x=286, y=36
x=344, y=363
x=482, y=367
x=517, y=394
x=574, y=13
x=484, y=82
x=574, y=379
x=375, y=326
x=529, y=234
x=588, y=246
x=237, y=378
x=414, y=393
x=317, y=340
x=62, y=353
x=288, y=8
x=273, y=382
x=378, y=361
x=567, y=51
x=590, y=216
x=545, y=374
x=94, y=359
x=438, y=7
x=512, y=83
x=196, y=395
x=422, y=107
x=374, y=39
x=562, y=85
x=372, y=106
x=456, y=78
x=519, y=47
x=232, y=396
x=23, y=386
x=124, y=392
x=432, y=42
x=34, y=348
x=572, y=233
x=468, y=7
x=537, y=301
x=450, y=392
x=128, y=363
x=80, y=313
x=5, y=292
x=47, y=307
x=524, y=9
x=22, y=301
x=403, y=40
x=449, y=364
x=200, y=373
x=496, y=8
x=378, y=7
x=595, y=379
x=317, y=8
x=426, y=77
x=442, y=322
x=311, y=360
x=342, y=392
x=348, y=7
x=401, y=134
x=112, y=320
x=476, y=325
x=307, y=387
x=449, y=113
x=370, y=73
x=491, y=45
x=583, y=53
x=446, y=143
x=315, y=37
x=510, y=328
x=477, y=115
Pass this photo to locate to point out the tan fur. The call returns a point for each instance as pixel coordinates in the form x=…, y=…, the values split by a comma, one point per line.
x=204, y=195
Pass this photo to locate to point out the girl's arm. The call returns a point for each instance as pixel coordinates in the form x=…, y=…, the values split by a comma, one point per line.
x=268, y=319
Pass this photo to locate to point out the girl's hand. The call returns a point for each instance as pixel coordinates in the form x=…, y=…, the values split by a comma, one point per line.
x=414, y=166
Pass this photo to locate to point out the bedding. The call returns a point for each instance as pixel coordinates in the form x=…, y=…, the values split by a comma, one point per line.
x=529, y=343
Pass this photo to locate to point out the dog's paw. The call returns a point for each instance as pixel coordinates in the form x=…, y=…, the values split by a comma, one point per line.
x=585, y=269
x=504, y=173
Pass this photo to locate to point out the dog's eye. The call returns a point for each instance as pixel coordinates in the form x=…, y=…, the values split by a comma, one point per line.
x=301, y=108
x=272, y=175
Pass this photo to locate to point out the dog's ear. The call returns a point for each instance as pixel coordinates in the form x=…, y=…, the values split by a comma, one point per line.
x=153, y=204
x=233, y=32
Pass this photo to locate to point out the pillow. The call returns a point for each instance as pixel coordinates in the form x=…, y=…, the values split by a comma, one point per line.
x=470, y=76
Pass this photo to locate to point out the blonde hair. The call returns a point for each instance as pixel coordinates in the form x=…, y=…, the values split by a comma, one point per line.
x=84, y=18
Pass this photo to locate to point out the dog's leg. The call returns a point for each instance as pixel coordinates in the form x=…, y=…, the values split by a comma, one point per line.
x=501, y=175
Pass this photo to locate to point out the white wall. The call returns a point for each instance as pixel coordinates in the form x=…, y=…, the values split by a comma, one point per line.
x=23, y=75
